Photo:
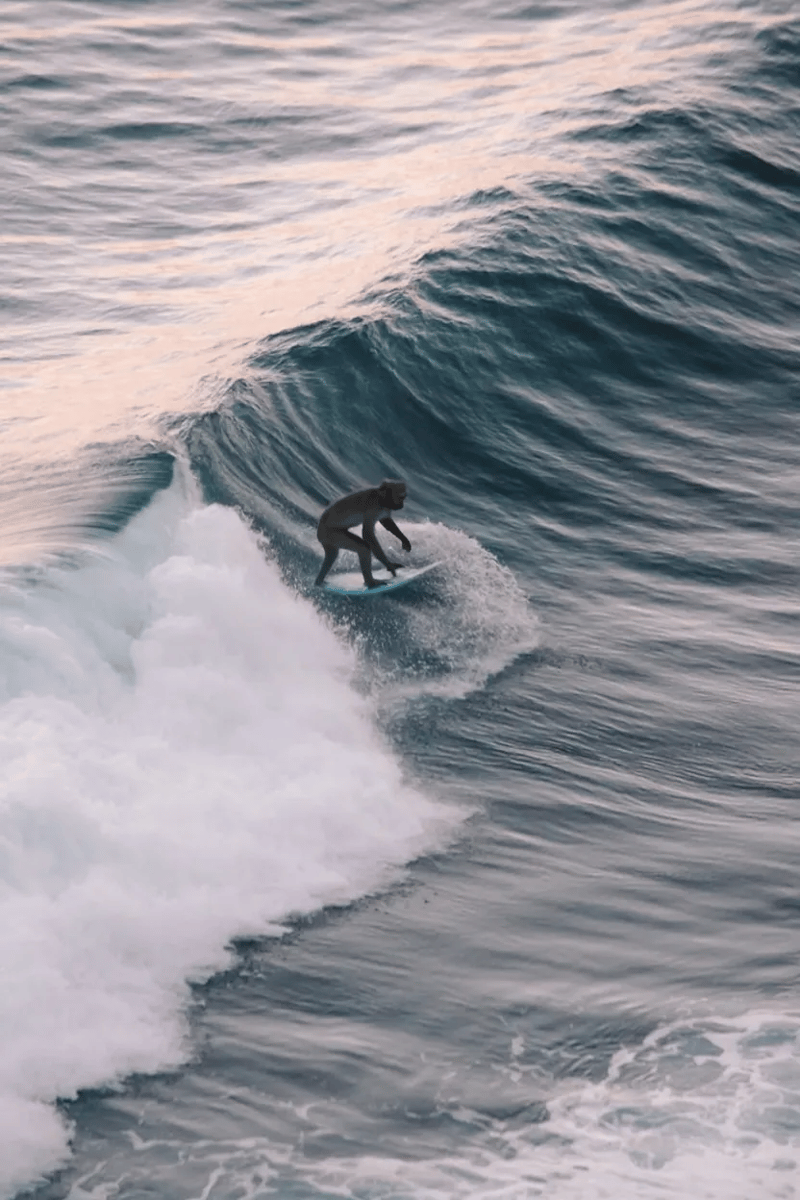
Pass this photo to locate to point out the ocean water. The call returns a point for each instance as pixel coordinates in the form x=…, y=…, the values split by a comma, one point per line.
x=487, y=889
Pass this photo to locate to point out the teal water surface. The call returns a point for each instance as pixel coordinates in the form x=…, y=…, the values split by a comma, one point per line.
x=487, y=888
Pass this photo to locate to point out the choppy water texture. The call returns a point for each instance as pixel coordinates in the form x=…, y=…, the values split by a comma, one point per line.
x=486, y=889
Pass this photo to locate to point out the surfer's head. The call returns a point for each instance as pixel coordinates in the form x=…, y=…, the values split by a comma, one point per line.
x=392, y=492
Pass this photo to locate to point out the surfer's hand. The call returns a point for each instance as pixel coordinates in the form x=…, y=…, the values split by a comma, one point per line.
x=405, y=543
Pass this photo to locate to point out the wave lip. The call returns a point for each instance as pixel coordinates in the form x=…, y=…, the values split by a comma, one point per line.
x=187, y=761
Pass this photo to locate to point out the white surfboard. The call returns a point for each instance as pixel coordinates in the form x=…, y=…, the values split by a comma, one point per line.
x=352, y=582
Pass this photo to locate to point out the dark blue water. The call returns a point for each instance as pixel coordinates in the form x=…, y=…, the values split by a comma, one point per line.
x=487, y=888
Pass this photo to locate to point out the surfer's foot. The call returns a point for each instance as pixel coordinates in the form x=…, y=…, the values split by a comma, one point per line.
x=373, y=583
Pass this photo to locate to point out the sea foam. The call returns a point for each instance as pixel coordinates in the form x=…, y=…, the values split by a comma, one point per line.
x=185, y=759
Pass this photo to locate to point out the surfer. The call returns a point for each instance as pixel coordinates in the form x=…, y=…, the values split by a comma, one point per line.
x=362, y=508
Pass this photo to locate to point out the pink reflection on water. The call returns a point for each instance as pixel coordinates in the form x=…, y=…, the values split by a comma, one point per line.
x=276, y=243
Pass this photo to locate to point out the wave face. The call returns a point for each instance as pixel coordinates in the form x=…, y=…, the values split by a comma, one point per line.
x=487, y=888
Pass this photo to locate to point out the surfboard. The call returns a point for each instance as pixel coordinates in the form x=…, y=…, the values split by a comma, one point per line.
x=351, y=583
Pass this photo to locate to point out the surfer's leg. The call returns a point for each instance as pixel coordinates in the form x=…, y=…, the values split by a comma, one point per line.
x=354, y=542
x=331, y=554
x=334, y=540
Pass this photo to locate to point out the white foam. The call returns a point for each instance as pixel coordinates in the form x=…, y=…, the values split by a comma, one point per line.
x=476, y=621
x=185, y=759
x=707, y=1108
x=702, y=1109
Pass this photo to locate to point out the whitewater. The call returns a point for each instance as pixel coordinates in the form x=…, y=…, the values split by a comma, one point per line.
x=187, y=758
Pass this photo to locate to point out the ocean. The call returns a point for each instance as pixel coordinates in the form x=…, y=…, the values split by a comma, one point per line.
x=486, y=889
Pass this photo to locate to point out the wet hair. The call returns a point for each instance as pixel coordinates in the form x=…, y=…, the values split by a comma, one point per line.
x=391, y=485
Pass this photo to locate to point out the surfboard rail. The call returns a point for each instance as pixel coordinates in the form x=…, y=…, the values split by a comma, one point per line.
x=351, y=583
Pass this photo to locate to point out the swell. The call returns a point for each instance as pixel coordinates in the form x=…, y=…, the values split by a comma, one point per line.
x=593, y=384
x=585, y=363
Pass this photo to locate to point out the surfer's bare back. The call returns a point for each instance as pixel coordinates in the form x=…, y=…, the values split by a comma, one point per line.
x=362, y=508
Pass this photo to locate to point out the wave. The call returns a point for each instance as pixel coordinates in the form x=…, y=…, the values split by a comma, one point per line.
x=591, y=372
x=188, y=759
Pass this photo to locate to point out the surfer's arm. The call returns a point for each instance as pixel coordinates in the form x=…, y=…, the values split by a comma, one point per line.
x=389, y=524
x=368, y=534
